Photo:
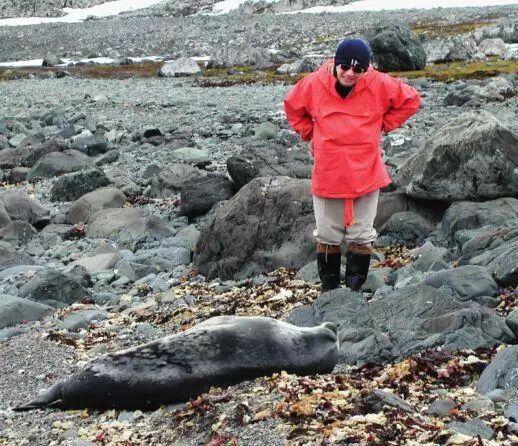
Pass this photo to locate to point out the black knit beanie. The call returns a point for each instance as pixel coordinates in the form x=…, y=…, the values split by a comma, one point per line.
x=353, y=52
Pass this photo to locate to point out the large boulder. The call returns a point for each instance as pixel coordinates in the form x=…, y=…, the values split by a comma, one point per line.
x=501, y=373
x=474, y=157
x=228, y=56
x=267, y=224
x=102, y=198
x=184, y=66
x=450, y=49
x=261, y=160
x=200, y=194
x=402, y=323
x=55, y=288
x=396, y=48
x=127, y=226
x=70, y=187
x=16, y=310
x=58, y=163
x=20, y=206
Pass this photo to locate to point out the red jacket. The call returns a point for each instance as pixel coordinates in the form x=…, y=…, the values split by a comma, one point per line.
x=346, y=133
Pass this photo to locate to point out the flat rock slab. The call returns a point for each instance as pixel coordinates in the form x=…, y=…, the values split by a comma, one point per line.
x=402, y=323
x=127, y=226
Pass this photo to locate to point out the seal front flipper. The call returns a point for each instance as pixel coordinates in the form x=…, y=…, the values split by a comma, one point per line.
x=50, y=398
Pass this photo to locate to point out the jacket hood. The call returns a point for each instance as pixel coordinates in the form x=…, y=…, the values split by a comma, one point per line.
x=325, y=76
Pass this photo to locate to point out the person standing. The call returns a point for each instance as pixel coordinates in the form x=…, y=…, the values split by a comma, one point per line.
x=343, y=108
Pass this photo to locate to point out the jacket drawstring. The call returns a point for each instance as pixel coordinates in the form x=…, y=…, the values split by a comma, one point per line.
x=349, y=212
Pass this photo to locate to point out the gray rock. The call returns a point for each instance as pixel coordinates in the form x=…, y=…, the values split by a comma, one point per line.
x=103, y=198
x=402, y=322
x=54, y=288
x=396, y=48
x=184, y=66
x=70, y=187
x=428, y=261
x=482, y=167
x=511, y=412
x=120, y=180
x=20, y=206
x=267, y=224
x=134, y=271
x=480, y=406
x=35, y=153
x=239, y=56
x=492, y=47
x=375, y=401
x=473, y=215
x=466, y=281
x=472, y=428
x=128, y=227
x=51, y=61
x=99, y=262
x=4, y=215
x=442, y=407
x=450, y=49
x=188, y=237
x=59, y=163
x=512, y=321
x=82, y=319
x=199, y=195
x=18, y=175
x=10, y=258
x=376, y=278
x=268, y=161
x=189, y=155
x=17, y=233
x=167, y=182
x=406, y=228
x=91, y=145
x=501, y=373
x=15, y=310
x=164, y=258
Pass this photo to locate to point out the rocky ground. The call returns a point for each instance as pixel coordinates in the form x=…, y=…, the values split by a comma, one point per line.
x=114, y=191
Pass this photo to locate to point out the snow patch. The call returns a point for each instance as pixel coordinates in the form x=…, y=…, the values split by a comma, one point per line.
x=80, y=14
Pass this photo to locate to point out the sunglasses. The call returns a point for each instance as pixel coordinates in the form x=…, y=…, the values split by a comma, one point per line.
x=356, y=69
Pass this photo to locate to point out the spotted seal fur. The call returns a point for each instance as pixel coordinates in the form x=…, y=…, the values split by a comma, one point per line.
x=221, y=351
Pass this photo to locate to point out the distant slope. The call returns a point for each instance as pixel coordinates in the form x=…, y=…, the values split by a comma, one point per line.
x=41, y=8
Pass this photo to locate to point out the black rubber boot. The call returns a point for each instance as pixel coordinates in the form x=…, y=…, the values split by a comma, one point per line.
x=356, y=270
x=329, y=270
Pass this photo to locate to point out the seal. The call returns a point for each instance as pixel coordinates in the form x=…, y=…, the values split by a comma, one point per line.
x=221, y=351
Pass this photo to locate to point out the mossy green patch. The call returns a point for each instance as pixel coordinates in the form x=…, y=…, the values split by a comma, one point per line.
x=438, y=30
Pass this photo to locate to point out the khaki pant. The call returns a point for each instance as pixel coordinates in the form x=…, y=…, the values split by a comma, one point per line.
x=330, y=219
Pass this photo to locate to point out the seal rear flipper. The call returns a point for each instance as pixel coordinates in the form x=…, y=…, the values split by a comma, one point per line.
x=50, y=398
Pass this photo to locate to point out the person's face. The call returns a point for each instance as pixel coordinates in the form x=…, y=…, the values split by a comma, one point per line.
x=347, y=77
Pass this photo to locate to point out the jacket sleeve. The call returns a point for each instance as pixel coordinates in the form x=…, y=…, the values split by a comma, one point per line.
x=404, y=101
x=296, y=107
